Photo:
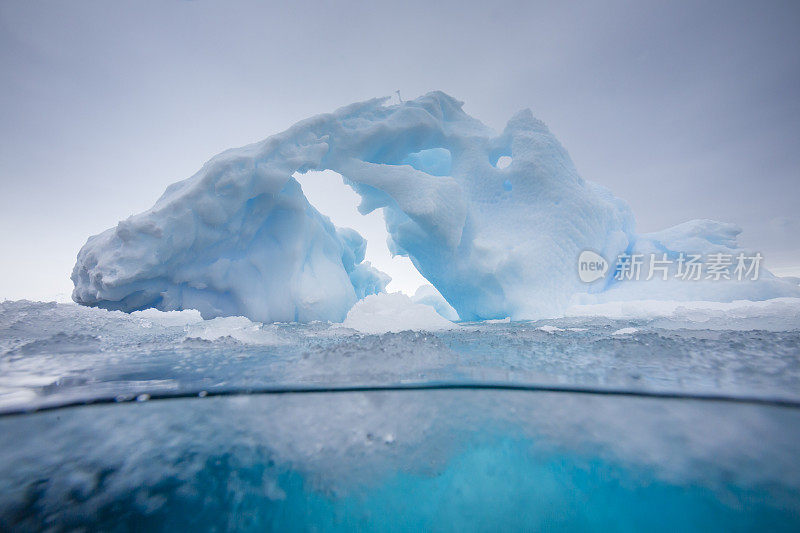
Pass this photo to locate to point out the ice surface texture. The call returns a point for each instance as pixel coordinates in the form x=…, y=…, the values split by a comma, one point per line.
x=239, y=238
x=55, y=353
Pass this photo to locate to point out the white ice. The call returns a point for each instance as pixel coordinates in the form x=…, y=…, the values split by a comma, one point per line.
x=393, y=313
x=494, y=221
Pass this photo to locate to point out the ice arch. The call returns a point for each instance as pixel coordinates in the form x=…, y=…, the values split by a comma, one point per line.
x=239, y=237
x=328, y=193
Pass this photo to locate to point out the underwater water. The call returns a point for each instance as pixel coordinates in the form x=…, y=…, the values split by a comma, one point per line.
x=223, y=451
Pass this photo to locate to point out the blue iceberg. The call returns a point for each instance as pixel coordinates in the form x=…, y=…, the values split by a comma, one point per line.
x=496, y=239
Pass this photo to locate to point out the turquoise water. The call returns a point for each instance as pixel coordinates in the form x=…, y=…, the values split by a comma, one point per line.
x=404, y=461
x=441, y=460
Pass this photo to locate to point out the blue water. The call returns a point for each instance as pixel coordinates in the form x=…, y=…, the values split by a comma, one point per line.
x=447, y=461
x=444, y=460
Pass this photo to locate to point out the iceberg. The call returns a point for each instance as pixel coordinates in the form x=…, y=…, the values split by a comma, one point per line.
x=495, y=222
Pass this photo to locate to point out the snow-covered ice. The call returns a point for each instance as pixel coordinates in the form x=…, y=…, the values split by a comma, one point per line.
x=395, y=312
x=236, y=239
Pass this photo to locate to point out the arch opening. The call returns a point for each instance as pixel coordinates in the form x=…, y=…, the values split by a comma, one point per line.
x=503, y=161
x=328, y=193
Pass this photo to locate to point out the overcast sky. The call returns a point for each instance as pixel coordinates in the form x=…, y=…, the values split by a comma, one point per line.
x=684, y=109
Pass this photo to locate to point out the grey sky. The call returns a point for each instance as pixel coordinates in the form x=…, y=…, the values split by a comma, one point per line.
x=684, y=109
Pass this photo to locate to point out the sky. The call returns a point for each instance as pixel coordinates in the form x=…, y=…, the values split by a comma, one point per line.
x=684, y=109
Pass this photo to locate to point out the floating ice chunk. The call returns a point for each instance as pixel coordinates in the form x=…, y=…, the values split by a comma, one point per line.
x=236, y=327
x=549, y=329
x=625, y=331
x=395, y=312
x=168, y=318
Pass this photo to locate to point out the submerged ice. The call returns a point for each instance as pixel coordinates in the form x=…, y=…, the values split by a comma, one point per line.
x=495, y=222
